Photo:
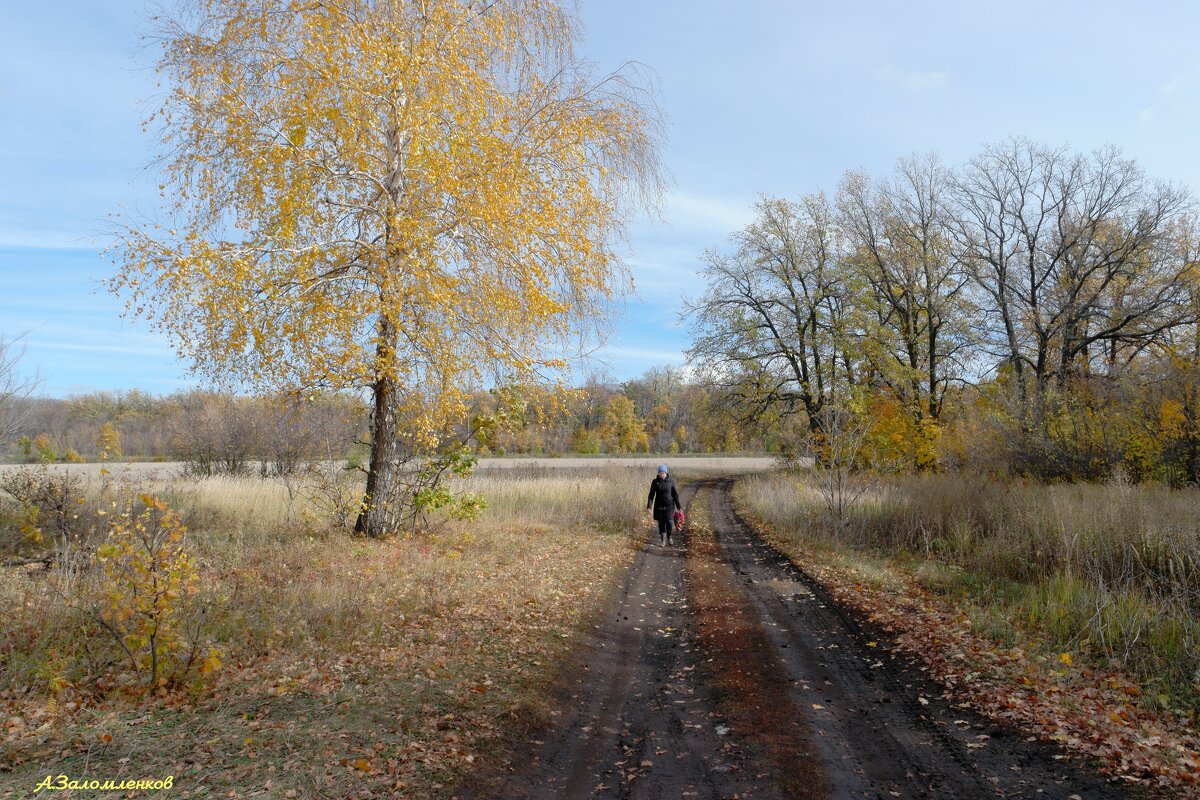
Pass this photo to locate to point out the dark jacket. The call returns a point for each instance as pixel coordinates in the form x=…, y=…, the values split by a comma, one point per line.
x=663, y=497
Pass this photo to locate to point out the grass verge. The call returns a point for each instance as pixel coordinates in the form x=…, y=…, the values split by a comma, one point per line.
x=1013, y=642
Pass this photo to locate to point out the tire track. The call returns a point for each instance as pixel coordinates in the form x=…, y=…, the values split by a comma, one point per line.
x=634, y=719
x=881, y=728
x=816, y=708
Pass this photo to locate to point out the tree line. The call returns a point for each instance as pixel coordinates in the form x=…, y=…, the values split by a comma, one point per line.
x=221, y=432
x=213, y=432
x=1033, y=311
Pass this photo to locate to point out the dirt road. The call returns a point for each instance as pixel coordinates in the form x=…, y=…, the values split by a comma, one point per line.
x=723, y=672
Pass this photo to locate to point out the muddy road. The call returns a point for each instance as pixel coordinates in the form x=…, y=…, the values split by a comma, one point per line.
x=723, y=671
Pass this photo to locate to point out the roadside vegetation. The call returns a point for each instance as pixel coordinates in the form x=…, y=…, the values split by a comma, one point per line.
x=1031, y=315
x=305, y=661
x=1068, y=609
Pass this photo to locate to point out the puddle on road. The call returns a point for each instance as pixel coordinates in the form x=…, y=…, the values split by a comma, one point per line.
x=789, y=588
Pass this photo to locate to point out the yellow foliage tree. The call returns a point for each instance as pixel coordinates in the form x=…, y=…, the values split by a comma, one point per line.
x=895, y=439
x=621, y=430
x=404, y=198
x=109, y=442
x=45, y=449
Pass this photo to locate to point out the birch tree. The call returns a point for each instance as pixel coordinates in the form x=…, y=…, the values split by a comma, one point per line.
x=405, y=197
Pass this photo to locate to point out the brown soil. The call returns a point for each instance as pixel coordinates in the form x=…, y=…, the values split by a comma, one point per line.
x=729, y=673
x=753, y=686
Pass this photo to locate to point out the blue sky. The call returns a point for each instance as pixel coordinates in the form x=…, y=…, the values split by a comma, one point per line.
x=766, y=97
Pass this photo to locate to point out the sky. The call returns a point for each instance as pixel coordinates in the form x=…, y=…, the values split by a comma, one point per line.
x=759, y=97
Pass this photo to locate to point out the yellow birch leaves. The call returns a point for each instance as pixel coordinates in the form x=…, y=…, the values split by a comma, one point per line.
x=147, y=573
x=445, y=165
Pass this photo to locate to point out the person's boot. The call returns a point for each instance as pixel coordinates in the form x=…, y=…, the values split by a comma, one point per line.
x=662, y=541
x=669, y=542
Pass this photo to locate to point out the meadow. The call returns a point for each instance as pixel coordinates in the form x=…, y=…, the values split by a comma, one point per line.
x=328, y=664
x=310, y=662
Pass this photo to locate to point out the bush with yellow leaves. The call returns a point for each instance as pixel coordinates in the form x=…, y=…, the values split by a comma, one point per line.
x=41, y=507
x=146, y=575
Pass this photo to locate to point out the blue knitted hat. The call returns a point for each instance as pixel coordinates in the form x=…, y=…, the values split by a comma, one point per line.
x=662, y=468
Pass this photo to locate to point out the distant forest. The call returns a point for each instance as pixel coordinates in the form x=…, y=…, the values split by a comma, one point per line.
x=659, y=412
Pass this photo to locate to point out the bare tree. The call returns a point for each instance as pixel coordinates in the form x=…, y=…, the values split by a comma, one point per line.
x=771, y=327
x=1181, y=348
x=16, y=388
x=915, y=307
x=1068, y=252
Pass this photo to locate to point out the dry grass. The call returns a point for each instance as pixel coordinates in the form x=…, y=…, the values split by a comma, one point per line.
x=353, y=668
x=1107, y=572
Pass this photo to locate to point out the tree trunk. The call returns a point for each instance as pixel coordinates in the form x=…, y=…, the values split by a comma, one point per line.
x=376, y=518
x=378, y=515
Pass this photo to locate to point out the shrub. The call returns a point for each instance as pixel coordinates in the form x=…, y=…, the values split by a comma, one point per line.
x=147, y=573
x=333, y=496
x=43, y=504
x=45, y=449
x=586, y=442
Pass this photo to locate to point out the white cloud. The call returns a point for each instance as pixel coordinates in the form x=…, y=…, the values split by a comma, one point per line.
x=913, y=81
x=142, y=350
x=44, y=239
x=666, y=260
x=1174, y=93
x=1181, y=82
x=641, y=354
x=663, y=279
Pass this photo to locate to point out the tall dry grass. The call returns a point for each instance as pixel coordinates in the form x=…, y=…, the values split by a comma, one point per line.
x=273, y=577
x=425, y=643
x=1113, y=570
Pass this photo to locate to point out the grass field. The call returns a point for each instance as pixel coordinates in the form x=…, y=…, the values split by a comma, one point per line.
x=1108, y=573
x=350, y=668
x=152, y=470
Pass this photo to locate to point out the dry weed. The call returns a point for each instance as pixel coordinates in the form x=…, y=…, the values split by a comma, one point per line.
x=1110, y=571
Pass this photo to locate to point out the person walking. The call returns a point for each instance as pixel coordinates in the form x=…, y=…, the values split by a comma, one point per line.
x=663, y=499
